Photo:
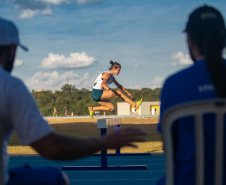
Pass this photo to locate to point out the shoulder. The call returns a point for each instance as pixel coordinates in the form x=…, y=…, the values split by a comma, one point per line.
x=8, y=86
x=10, y=83
x=177, y=83
x=187, y=74
x=15, y=83
x=106, y=74
x=183, y=84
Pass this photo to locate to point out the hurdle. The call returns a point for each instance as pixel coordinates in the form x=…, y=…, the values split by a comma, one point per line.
x=103, y=124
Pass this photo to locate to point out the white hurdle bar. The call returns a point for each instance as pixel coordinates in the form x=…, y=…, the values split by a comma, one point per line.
x=106, y=123
x=103, y=124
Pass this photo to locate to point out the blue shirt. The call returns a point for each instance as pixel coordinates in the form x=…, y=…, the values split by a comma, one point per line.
x=190, y=84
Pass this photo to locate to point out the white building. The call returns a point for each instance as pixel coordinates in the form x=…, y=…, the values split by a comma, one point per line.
x=146, y=108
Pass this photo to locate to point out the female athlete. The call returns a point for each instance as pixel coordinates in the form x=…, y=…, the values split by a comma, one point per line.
x=101, y=92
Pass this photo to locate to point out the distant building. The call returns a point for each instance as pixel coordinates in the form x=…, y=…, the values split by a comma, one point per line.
x=40, y=90
x=146, y=108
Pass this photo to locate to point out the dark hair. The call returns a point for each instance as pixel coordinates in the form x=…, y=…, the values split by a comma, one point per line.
x=114, y=65
x=3, y=49
x=7, y=65
x=207, y=29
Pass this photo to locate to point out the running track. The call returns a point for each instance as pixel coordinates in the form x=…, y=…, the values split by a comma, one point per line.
x=155, y=163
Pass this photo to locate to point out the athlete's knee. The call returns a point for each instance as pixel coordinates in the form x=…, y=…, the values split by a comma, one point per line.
x=112, y=108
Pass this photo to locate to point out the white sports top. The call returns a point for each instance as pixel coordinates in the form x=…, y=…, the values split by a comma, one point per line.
x=18, y=112
x=98, y=82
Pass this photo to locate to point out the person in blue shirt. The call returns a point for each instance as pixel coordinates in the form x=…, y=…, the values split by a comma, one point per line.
x=205, y=79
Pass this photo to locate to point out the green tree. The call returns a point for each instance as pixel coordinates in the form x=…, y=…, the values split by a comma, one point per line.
x=78, y=100
x=67, y=88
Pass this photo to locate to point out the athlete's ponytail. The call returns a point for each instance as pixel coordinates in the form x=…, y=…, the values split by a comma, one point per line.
x=114, y=65
x=207, y=29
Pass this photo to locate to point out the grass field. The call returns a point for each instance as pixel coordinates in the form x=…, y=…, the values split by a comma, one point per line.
x=88, y=128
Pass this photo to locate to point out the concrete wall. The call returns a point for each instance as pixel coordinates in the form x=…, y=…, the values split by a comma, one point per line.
x=123, y=108
x=146, y=108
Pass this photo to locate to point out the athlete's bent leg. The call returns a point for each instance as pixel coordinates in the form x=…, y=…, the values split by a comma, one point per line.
x=106, y=105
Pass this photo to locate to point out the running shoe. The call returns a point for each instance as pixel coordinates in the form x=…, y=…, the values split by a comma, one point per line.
x=91, y=112
x=138, y=103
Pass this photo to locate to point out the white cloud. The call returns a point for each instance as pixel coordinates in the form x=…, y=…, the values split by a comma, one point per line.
x=84, y=2
x=181, y=59
x=54, y=80
x=157, y=82
x=30, y=8
x=47, y=11
x=28, y=4
x=18, y=63
x=56, y=2
x=75, y=60
x=27, y=14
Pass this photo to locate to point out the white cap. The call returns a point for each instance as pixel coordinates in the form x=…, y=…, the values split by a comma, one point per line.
x=9, y=34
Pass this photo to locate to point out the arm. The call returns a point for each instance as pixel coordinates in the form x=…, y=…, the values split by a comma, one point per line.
x=105, y=78
x=121, y=87
x=60, y=147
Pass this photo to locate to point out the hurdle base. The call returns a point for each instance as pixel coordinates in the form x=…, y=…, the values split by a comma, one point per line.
x=129, y=167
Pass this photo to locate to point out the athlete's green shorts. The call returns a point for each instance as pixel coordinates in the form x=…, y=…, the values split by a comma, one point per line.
x=96, y=94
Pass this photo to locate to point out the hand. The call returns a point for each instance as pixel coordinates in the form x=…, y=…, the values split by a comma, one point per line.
x=123, y=137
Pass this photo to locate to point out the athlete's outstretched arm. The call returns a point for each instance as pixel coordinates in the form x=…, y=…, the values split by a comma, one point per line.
x=121, y=87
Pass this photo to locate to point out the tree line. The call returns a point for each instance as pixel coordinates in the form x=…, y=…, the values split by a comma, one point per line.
x=78, y=100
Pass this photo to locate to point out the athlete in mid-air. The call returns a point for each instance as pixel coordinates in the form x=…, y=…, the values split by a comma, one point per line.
x=101, y=92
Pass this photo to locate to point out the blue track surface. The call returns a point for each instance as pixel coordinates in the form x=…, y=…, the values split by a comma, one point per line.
x=155, y=163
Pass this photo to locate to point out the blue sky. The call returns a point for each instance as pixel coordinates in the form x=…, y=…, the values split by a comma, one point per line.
x=72, y=41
